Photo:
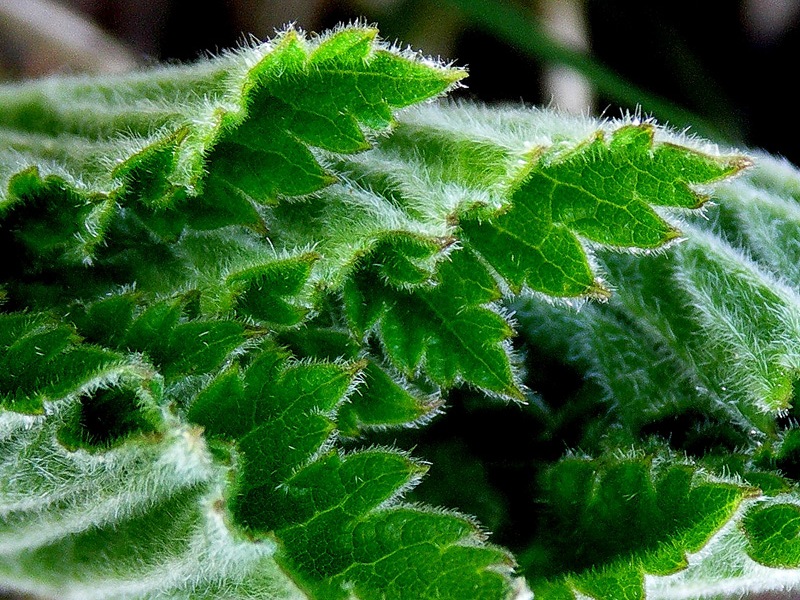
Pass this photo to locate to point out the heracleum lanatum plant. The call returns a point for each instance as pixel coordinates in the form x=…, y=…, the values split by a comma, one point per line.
x=221, y=280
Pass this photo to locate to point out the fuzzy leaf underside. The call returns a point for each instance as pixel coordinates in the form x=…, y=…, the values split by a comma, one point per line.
x=701, y=346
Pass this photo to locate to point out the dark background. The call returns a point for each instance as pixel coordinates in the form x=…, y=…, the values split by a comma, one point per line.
x=724, y=67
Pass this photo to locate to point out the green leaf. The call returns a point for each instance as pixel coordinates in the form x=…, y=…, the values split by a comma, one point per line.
x=670, y=509
x=317, y=96
x=449, y=329
x=385, y=401
x=773, y=535
x=263, y=292
x=263, y=463
x=526, y=190
x=384, y=398
x=700, y=346
x=219, y=293
x=142, y=497
x=44, y=362
x=404, y=204
x=198, y=347
x=336, y=517
x=601, y=192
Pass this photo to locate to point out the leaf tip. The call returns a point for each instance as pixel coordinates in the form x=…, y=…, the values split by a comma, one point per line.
x=598, y=291
x=737, y=164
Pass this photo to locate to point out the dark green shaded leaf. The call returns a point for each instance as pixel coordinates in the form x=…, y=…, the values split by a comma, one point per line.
x=668, y=508
x=332, y=514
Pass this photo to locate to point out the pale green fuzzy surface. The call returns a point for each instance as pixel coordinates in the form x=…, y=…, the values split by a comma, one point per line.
x=143, y=520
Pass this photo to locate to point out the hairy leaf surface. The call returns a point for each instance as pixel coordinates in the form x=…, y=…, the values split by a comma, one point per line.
x=529, y=190
x=223, y=284
x=215, y=137
x=687, y=533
